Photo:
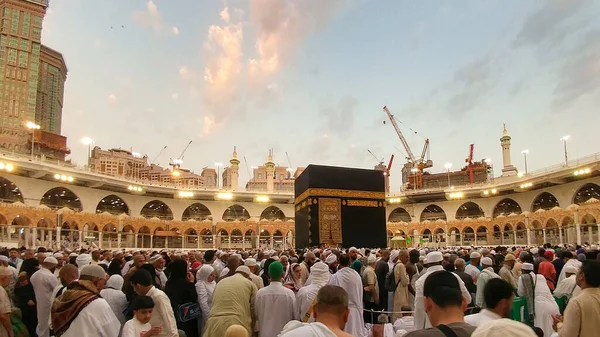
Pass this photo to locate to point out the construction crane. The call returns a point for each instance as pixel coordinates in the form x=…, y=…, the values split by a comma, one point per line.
x=158, y=155
x=247, y=168
x=419, y=164
x=469, y=162
x=290, y=168
x=374, y=156
x=176, y=163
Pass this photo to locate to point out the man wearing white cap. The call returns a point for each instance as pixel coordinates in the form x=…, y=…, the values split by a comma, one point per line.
x=540, y=302
x=61, y=262
x=80, y=311
x=11, y=286
x=486, y=274
x=568, y=286
x=434, y=261
x=319, y=277
x=44, y=282
x=159, y=265
x=371, y=286
x=257, y=280
x=472, y=267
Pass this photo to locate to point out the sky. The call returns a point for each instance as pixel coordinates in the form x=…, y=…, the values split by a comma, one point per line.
x=310, y=78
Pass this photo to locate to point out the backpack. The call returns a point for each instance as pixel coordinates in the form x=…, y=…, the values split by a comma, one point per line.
x=390, y=281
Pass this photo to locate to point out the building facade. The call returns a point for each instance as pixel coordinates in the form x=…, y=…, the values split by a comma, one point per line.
x=558, y=205
x=51, y=87
x=32, y=82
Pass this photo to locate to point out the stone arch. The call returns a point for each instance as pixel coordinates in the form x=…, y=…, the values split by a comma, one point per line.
x=552, y=231
x=277, y=233
x=469, y=210
x=128, y=229
x=205, y=231
x=60, y=197
x=249, y=232
x=222, y=232
x=9, y=192
x=144, y=230
x=21, y=221
x=45, y=223
x=264, y=237
x=236, y=232
x=157, y=209
x=427, y=235
x=545, y=201
x=588, y=219
x=272, y=213
x=206, y=237
x=196, y=211
x=482, y=235
x=535, y=224
x=112, y=204
x=567, y=221
x=468, y=235
x=586, y=192
x=433, y=212
x=454, y=236
x=236, y=212
x=505, y=207
x=3, y=220
x=399, y=214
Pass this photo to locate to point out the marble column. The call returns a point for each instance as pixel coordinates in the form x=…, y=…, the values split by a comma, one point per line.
x=528, y=237
x=135, y=240
x=151, y=239
x=514, y=234
x=100, y=239
x=598, y=226
x=578, y=230
x=80, y=239
x=502, y=238
x=590, y=234
x=544, y=235
x=560, y=234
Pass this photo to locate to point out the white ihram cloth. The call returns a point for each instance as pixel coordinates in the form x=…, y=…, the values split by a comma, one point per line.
x=95, y=320
x=43, y=282
x=413, y=283
x=274, y=308
x=567, y=287
x=115, y=297
x=421, y=319
x=349, y=279
x=319, y=276
x=485, y=275
x=572, y=262
x=482, y=317
x=298, y=329
x=545, y=305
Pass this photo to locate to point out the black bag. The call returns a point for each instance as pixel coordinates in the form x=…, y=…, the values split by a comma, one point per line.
x=187, y=312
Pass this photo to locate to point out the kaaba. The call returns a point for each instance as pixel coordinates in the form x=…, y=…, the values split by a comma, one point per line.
x=340, y=206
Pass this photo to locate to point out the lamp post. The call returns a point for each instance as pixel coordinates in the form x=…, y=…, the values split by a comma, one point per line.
x=218, y=165
x=88, y=141
x=448, y=166
x=525, y=152
x=564, y=139
x=32, y=126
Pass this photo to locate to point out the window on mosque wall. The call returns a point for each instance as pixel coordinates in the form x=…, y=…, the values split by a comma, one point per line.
x=12, y=57
x=14, y=27
x=37, y=20
x=24, y=45
x=36, y=34
x=6, y=12
x=22, y=61
x=5, y=24
x=13, y=42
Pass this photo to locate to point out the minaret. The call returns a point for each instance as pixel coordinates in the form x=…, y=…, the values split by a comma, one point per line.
x=234, y=170
x=507, y=168
x=270, y=166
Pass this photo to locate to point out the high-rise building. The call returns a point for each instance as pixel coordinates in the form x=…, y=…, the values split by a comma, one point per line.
x=31, y=82
x=20, y=49
x=50, y=93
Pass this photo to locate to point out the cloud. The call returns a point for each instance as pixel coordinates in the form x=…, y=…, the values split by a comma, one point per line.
x=549, y=22
x=112, y=98
x=471, y=84
x=174, y=95
x=235, y=83
x=281, y=26
x=222, y=71
x=580, y=73
x=150, y=17
x=185, y=73
x=340, y=118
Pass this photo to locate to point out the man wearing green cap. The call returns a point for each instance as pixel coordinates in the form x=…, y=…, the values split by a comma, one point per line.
x=274, y=304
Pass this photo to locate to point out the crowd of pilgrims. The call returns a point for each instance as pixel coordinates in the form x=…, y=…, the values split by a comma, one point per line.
x=313, y=292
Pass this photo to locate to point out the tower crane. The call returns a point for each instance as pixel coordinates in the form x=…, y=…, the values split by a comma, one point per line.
x=176, y=163
x=374, y=156
x=290, y=169
x=469, y=162
x=247, y=168
x=418, y=164
x=158, y=155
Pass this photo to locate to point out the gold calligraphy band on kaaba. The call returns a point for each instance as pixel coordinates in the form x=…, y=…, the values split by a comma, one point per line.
x=327, y=192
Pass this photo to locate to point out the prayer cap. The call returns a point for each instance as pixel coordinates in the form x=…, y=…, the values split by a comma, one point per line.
x=503, y=327
x=93, y=270
x=527, y=266
x=275, y=270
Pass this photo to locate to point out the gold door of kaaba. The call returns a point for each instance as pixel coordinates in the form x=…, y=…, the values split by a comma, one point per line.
x=330, y=221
